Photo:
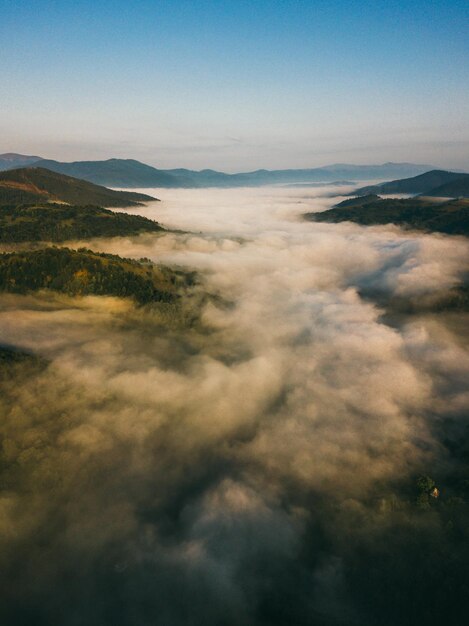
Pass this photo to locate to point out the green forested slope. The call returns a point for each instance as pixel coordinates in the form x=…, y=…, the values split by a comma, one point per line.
x=62, y=222
x=450, y=217
x=83, y=272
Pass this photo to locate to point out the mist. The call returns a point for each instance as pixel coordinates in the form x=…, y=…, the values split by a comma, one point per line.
x=240, y=459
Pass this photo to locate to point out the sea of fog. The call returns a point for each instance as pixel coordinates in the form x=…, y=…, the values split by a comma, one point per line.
x=238, y=470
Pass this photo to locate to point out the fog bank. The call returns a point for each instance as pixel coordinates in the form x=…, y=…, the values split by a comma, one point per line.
x=237, y=469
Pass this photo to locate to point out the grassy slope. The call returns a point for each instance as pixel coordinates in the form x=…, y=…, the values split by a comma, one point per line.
x=43, y=185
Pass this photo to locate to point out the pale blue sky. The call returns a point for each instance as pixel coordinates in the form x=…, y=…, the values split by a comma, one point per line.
x=236, y=85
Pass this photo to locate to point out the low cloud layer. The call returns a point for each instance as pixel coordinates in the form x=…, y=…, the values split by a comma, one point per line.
x=228, y=471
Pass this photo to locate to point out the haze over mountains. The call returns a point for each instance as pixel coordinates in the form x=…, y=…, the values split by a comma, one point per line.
x=247, y=403
x=131, y=173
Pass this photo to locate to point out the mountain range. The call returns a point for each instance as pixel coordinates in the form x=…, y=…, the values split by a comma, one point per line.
x=133, y=174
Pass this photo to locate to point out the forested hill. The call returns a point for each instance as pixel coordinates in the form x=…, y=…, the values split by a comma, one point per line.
x=63, y=222
x=457, y=188
x=36, y=184
x=451, y=217
x=83, y=272
x=438, y=183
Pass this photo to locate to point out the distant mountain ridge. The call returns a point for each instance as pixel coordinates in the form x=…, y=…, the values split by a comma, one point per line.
x=37, y=184
x=11, y=160
x=436, y=183
x=118, y=173
x=329, y=173
x=133, y=174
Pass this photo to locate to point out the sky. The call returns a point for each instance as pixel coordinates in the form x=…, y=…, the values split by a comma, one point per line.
x=236, y=85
